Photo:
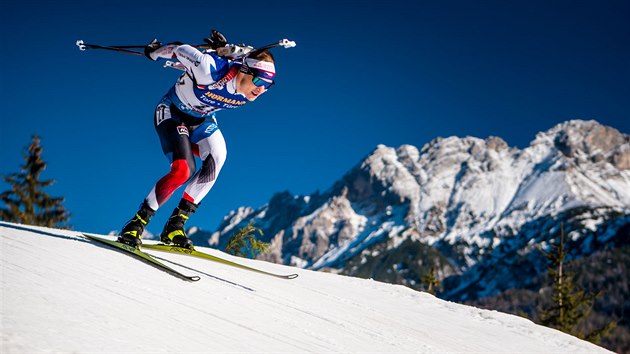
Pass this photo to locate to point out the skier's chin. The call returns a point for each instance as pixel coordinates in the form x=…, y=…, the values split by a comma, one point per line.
x=252, y=96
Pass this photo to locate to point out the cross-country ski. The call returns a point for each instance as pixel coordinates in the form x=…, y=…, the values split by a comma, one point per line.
x=195, y=253
x=134, y=251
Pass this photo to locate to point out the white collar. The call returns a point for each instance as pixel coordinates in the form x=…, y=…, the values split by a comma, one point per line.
x=231, y=86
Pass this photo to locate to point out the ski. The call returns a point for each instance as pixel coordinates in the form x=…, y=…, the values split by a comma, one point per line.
x=142, y=256
x=194, y=253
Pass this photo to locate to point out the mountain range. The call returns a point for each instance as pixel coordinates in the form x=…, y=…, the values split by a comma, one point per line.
x=467, y=200
x=476, y=212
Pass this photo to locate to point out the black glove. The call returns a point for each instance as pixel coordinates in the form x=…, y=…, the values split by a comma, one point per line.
x=216, y=40
x=151, y=47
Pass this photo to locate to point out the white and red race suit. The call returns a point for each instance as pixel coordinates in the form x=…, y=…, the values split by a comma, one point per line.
x=185, y=122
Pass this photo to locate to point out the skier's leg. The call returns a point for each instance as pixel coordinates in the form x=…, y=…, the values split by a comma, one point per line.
x=175, y=141
x=210, y=146
x=213, y=153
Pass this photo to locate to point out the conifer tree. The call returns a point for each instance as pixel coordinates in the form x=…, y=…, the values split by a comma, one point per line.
x=430, y=281
x=570, y=304
x=245, y=244
x=26, y=202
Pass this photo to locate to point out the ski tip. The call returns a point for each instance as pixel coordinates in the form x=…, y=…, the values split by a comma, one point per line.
x=292, y=276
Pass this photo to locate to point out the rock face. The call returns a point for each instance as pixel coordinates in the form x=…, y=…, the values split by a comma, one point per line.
x=467, y=207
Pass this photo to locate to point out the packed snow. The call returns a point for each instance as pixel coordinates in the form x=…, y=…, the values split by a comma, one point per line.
x=62, y=293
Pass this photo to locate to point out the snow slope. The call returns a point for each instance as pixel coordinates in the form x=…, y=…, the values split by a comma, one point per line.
x=61, y=293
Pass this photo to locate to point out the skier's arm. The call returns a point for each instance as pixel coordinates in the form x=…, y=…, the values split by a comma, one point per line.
x=156, y=50
x=203, y=67
x=165, y=51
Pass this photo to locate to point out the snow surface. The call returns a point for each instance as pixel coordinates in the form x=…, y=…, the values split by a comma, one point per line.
x=62, y=293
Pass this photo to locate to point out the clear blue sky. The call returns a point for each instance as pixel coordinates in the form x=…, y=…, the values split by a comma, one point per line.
x=362, y=74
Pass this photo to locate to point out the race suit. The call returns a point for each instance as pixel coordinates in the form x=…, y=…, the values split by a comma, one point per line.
x=186, y=126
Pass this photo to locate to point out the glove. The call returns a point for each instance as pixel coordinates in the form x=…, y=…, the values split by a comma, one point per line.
x=216, y=40
x=152, y=47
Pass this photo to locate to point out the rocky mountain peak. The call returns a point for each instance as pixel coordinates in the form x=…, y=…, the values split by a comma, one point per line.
x=588, y=141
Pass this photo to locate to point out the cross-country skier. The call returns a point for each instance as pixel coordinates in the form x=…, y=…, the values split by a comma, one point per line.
x=186, y=126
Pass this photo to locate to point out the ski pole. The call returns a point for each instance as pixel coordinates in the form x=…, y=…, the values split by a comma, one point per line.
x=122, y=48
x=234, y=51
x=83, y=46
x=281, y=43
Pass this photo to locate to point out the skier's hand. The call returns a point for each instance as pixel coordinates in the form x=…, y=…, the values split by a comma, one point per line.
x=152, y=47
x=216, y=40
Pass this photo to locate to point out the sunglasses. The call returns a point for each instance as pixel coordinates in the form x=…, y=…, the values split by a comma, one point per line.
x=262, y=82
x=258, y=81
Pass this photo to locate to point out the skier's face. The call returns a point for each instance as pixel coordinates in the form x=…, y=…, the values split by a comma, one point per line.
x=246, y=86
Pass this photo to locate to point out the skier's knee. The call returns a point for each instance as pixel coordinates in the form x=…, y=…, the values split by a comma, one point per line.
x=219, y=160
x=191, y=168
x=181, y=170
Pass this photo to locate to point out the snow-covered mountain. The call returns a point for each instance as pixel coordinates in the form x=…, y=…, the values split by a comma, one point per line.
x=61, y=293
x=474, y=209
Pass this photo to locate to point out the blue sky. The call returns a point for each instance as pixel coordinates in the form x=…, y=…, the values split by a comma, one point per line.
x=362, y=74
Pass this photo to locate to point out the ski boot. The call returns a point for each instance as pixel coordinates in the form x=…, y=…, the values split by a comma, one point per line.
x=174, y=228
x=131, y=233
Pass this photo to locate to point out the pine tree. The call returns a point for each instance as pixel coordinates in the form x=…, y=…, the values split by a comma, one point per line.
x=26, y=202
x=570, y=305
x=245, y=244
x=430, y=281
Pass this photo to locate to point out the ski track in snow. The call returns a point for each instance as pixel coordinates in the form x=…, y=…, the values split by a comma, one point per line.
x=62, y=293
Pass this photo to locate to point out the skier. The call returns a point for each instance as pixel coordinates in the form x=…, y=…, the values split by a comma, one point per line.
x=186, y=126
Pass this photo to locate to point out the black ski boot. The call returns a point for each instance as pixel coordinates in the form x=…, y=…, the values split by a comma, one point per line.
x=131, y=233
x=174, y=228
